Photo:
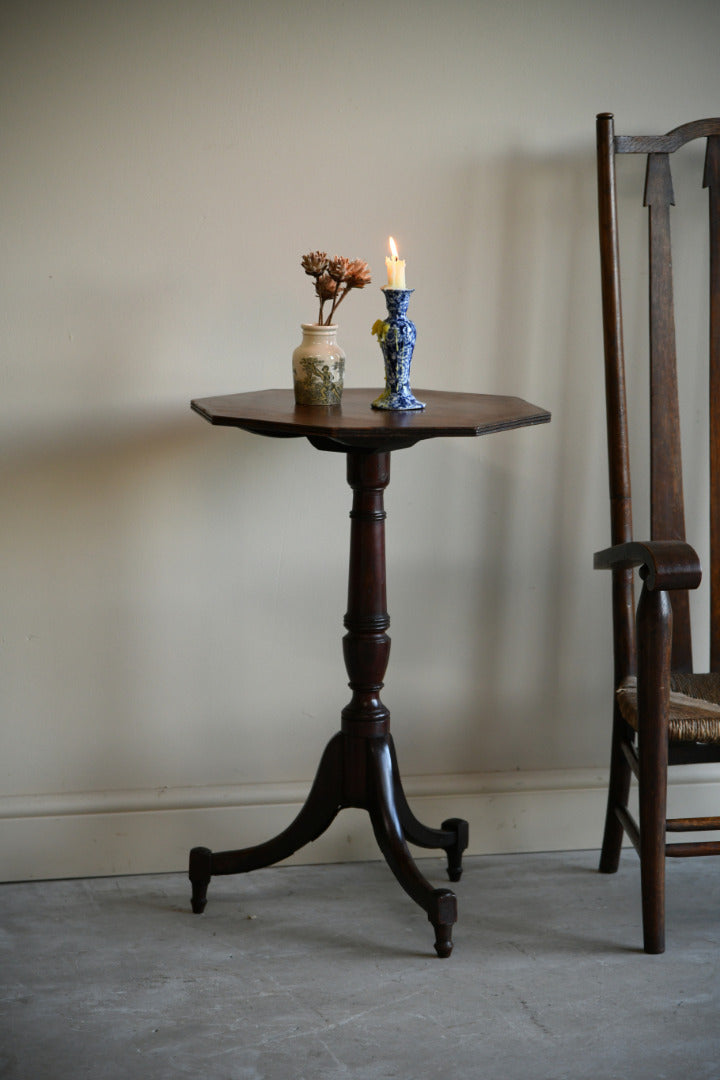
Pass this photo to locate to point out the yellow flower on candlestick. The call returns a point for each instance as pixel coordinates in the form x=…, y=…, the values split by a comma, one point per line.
x=380, y=329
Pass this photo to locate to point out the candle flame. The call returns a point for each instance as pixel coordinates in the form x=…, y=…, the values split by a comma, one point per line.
x=393, y=248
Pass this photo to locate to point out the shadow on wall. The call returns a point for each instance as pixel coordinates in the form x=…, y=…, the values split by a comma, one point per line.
x=540, y=657
x=510, y=606
x=534, y=670
x=110, y=544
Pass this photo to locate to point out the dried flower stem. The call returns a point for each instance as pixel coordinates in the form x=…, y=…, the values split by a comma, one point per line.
x=337, y=301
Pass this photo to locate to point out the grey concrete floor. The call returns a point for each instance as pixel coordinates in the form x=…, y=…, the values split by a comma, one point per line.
x=328, y=973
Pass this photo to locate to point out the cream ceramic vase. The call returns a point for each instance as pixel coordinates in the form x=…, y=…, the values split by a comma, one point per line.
x=318, y=366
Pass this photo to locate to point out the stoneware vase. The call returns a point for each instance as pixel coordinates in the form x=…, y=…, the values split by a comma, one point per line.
x=318, y=366
x=396, y=335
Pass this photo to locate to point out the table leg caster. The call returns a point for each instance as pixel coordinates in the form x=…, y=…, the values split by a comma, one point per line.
x=200, y=872
x=443, y=941
x=455, y=853
x=442, y=918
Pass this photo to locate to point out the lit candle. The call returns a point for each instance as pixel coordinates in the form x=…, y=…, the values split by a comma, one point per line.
x=395, y=268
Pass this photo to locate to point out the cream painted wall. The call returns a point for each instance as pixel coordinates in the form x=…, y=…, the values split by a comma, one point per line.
x=173, y=594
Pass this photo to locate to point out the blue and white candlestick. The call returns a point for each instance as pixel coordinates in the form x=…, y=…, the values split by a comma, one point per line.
x=396, y=335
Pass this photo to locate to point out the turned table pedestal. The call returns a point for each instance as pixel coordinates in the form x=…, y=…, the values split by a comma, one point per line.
x=359, y=767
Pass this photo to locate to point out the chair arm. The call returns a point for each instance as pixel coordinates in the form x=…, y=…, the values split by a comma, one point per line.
x=668, y=564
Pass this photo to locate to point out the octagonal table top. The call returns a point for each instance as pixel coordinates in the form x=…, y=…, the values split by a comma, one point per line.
x=354, y=424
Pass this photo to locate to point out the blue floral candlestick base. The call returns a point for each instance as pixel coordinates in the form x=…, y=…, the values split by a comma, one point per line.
x=396, y=335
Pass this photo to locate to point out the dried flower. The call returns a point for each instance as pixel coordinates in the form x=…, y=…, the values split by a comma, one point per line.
x=334, y=278
x=314, y=263
x=358, y=274
x=337, y=268
x=325, y=287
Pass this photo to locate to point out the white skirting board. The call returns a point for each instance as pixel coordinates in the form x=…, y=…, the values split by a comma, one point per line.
x=137, y=832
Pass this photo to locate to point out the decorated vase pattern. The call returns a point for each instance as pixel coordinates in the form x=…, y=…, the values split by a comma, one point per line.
x=318, y=366
x=396, y=335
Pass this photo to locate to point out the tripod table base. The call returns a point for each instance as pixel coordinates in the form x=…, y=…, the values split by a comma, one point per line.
x=355, y=771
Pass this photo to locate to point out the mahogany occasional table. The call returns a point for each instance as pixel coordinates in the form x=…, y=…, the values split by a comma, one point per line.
x=359, y=767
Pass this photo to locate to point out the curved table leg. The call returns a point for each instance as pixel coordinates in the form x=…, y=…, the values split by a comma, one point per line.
x=440, y=904
x=319, y=810
x=452, y=837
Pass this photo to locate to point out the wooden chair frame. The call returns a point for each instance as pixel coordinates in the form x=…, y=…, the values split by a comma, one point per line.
x=654, y=641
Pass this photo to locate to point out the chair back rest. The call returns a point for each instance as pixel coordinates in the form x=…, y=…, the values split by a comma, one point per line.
x=667, y=517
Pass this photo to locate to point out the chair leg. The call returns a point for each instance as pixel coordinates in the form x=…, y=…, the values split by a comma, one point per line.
x=652, y=871
x=654, y=646
x=618, y=792
x=652, y=792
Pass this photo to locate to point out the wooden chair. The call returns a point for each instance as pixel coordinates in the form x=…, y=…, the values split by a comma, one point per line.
x=664, y=714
